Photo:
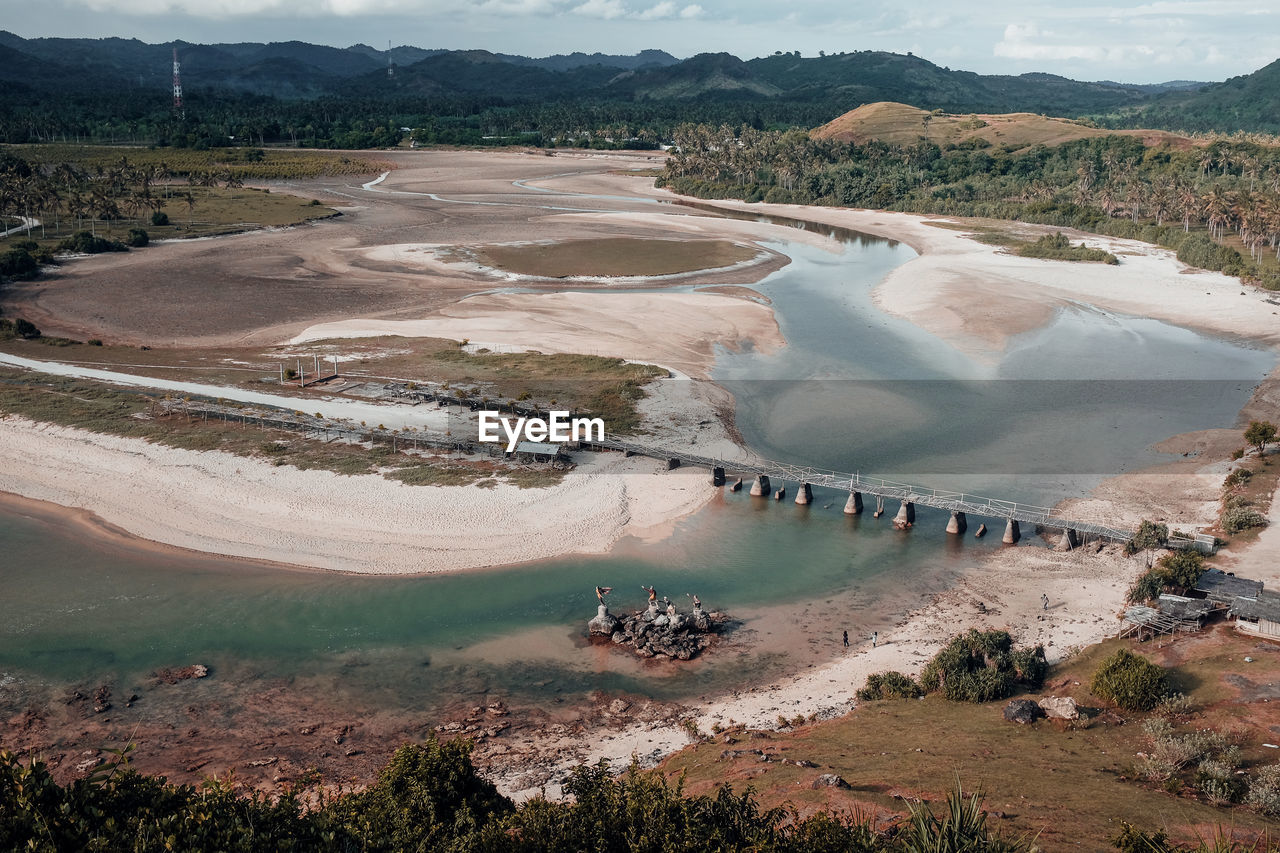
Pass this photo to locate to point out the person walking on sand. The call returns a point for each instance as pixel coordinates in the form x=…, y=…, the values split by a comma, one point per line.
x=875, y=638
x=1044, y=600
x=846, y=639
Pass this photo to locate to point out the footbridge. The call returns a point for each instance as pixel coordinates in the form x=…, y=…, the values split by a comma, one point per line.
x=765, y=474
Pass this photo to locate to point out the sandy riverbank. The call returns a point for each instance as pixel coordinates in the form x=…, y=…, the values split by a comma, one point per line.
x=223, y=504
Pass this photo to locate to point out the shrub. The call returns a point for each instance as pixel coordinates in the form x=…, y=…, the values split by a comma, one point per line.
x=1238, y=477
x=889, y=685
x=980, y=666
x=18, y=262
x=159, y=219
x=1264, y=791
x=1130, y=681
x=1239, y=518
x=137, y=238
x=1147, y=587
x=87, y=244
x=1182, y=569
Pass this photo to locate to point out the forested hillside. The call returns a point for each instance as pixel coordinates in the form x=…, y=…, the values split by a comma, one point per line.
x=291, y=93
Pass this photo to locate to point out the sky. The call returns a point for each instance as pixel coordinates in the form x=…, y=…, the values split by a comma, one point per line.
x=1126, y=41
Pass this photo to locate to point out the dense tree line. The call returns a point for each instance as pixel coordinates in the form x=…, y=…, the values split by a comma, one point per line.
x=1188, y=199
x=217, y=119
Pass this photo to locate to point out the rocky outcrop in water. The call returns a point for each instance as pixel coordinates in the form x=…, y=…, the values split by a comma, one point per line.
x=654, y=634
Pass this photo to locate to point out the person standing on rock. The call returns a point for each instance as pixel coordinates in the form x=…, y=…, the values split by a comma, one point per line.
x=846, y=639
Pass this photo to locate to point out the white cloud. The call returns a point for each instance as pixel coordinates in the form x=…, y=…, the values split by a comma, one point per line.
x=663, y=10
x=605, y=9
x=693, y=10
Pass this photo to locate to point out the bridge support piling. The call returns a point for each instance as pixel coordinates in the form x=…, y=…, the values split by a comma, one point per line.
x=717, y=476
x=982, y=531
x=853, y=506
x=1068, y=541
x=906, y=516
x=737, y=485
x=780, y=494
x=958, y=523
x=761, y=486
x=1012, y=532
x=804, y=494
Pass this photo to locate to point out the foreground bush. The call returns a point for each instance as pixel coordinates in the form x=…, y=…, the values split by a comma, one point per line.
x=86, y=243
x=429, y=798
x=1130, y=681
x=982, y=666
x=889, y=685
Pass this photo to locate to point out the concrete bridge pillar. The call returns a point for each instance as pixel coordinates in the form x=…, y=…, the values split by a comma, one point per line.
x=958, y=523
x=804, y=494
x=737, y=485
x=780, y=494
x=717, y=476
x=760, y=486
x=1068, y=540
x=906, y=516
x=1012, y=532
x=853, y=506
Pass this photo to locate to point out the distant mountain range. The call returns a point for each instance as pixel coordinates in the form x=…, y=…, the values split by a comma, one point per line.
x=832, y=84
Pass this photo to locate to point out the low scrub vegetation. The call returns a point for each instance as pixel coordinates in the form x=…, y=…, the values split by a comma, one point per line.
x=1176, y=571
x=1130, y=681
x=977, y=666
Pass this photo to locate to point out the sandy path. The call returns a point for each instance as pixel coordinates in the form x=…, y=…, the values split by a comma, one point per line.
x=677, y=330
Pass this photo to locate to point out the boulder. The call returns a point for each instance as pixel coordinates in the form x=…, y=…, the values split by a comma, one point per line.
x=1023, y=711
x=1060, y=708
x=829, y=780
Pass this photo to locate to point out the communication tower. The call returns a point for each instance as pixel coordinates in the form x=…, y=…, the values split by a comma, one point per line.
x=177, y=87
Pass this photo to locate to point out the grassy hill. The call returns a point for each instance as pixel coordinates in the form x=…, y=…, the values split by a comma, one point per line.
x=901, y=124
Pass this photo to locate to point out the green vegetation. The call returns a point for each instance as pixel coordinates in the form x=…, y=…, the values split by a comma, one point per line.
x=430, y=798
x=1260, y=434
x=1130, y=681
x=1059, y=248
x=67, y=202
x=1217, y=206
x=17, y=328
x=981, y=666
x=1148, y=538
x=200, y=167
x=889, y=685
x=1176, y=571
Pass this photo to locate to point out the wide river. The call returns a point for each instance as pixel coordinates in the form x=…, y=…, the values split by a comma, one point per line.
x=855, y=389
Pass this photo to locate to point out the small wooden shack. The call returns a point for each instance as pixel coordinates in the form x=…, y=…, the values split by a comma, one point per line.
x=538, y=451
x=1259, y=617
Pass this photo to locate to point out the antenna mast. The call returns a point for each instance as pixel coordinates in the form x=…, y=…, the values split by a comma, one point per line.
x=177, y=86
x=391, y=63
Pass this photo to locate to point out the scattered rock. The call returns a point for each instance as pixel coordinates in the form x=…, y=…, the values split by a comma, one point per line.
x=263, y=762
x=172, y=675
x=829, y=780
x=1060, y=708
x=1023, y=711
x=102, y=699
x=651, y=633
